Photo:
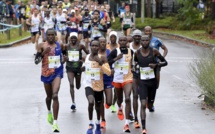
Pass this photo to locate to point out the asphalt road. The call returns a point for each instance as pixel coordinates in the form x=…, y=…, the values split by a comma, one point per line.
x=23, y=109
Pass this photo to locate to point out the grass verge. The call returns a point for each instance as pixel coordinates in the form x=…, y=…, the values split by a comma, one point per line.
x=14, y=36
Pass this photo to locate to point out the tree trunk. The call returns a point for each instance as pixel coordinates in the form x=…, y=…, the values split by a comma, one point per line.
x=138, y=8
x=157, y=8
x=213, y=9
x=149, y=9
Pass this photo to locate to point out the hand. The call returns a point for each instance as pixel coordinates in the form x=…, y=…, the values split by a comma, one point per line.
x=32, y=24
x=119, y=56
x=47, y=50
x=89, y=32
x=65, y=58
x=97, y=59
x=102, y=22
x=96, y=28
x=153, y=65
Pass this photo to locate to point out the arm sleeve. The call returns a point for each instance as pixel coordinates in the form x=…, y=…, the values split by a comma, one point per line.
x=163, y=61
x=106, y=69
x=111, y=57
x=132, y=19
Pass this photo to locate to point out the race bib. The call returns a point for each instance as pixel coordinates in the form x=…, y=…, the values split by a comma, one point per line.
x=73, y=55
x=96, y=33
x=128, y=21
x=146, y=73
x=61, y=26
x=23, y=11
x=54, y=61
x=85, y=26
x=93, y=73
x=121, y=67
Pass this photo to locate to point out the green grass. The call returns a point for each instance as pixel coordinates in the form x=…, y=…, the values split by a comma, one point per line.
x=200, y=35
x=14, y=36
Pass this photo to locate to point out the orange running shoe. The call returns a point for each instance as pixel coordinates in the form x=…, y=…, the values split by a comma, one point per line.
x=126, y=129
x=106, y=106
x=144, y=131
x=136, y=124
x=103, y=124
x=120, y=114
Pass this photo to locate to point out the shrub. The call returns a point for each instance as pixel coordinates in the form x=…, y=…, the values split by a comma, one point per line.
x=203, y=73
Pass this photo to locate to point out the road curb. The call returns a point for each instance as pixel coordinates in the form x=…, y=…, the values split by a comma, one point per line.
x=186, y=39
x=15, y=42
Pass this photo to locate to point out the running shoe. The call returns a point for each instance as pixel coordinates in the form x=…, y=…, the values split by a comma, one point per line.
x=73, y=107
x=106, y=106
x=152, y=109
x=126, y=129
x=50, y=118
x=90, y=129
x=120, y=114
x=98, y=129
x=103, y=124
x=136, y=124
x=144, y=131
x=113, y=109
x=55, y=128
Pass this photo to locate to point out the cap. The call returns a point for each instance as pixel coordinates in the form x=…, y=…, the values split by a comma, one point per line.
x=64, y=10
x=73, y=34
x=72, y=11
x=137, y=32
x=113, y=33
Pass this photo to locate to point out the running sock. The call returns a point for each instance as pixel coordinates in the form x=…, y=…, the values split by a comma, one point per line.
x=120, y=108
x=98, y=122
x=143, y=124
x=91, y=121
x=49, y=111
x=55, y=122
x=127, y=121
x=136, y=119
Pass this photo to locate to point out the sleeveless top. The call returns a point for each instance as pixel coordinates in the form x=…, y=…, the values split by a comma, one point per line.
x=144, y=62
x=61, y=22
x=131, y=47
x=36, y=22
x=54, y=57
x=86, y=21
x=74, y=55
x=96, y=33
x=127, y=19
x=49, y=23
x=122, y=68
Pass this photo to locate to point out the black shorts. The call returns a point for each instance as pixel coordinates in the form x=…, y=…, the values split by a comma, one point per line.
x=86, y=34
x=98, y=96
x=108, y=25
x=80, y=32
x=147, y=89
x=35, y=33
x=21, y=16
x=76, y=71
x=135, y=75
x=124, y=29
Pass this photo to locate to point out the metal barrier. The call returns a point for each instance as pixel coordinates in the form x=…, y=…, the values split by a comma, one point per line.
x=9, y=27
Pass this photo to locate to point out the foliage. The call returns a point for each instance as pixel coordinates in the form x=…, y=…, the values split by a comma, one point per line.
x=203, y=73
x=187, y=15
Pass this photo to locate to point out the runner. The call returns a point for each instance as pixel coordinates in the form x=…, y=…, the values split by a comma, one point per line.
x=155, y=43
x=107, y=82
x=74, y=64
x=94, y=86
x=96, y=26
x=34, y=21
x=123, y=77
x=127, y=21
x=111, y=15
x=85, y=23
x=61, y=26
x=79, y=20
x=48, y=22
x=134, y=46
x=145, y=58
x=66, y=4
x=50, y=53
x=113, y=45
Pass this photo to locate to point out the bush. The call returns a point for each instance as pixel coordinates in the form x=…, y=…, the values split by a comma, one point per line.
x=203, y=72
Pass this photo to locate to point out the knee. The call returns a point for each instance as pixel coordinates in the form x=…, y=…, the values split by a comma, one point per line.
x=55, y=96
x=127, y=100
x=91, y=103
x=135, y=96
x=72, y=86
x=48, y=98
x=143, y=104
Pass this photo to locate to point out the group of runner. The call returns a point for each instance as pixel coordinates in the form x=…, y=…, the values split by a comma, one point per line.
x=119, y=64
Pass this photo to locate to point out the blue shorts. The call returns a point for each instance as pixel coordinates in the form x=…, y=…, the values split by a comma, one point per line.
x=50, y=79
x=108, y=85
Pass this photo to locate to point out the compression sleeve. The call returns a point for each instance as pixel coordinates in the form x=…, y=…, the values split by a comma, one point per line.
x=38, y=58
x=163, y=61
x=112, y=56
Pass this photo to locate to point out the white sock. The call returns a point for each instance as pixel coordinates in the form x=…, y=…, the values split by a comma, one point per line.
x=120, y=108
x=91, y=122
x=55, y=121
x=127, y=122
x=98, y=122
x=49, y=111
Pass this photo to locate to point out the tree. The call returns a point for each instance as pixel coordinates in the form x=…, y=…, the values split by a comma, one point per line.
x=149, y=9
x=213, y=9
x=158, y=8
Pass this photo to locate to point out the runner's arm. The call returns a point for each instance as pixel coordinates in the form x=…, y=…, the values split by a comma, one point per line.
x=161, y=58
x=39, y=56
x=112, y=57
x=84, y=48
x=165, y=50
